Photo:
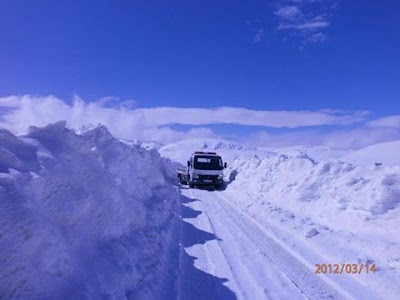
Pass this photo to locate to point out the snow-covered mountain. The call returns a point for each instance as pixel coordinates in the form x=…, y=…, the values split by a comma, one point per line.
x=181, y=151
x=317, y=153
x=387, y=154
x=80, y=219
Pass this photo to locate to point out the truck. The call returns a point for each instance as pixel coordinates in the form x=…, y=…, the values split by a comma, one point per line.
x=203, y=169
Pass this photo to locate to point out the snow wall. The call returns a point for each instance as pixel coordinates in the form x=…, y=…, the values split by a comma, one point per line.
x=84, y=216
x=338, y=194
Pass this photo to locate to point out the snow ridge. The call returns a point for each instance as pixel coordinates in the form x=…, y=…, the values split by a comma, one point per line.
x=350, y=213
x=83, y=216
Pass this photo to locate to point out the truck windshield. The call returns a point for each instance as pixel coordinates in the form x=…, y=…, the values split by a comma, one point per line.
x=208, y=163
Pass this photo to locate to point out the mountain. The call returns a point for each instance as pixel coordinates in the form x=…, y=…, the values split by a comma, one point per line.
x=181, y=151
x=387, y=154
x=317, y=153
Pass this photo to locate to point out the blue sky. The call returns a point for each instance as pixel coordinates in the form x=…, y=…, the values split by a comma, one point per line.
x=261, y=55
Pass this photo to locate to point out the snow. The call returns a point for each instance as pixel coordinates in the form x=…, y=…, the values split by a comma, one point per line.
x=79, y=217
x=322, y=208
x=151, y=145
x=350, y=213
x=86, y=215
x=317, y=153
x=180, y=152
x=387, y=154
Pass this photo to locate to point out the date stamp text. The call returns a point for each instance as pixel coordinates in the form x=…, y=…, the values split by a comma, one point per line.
x=345, y=268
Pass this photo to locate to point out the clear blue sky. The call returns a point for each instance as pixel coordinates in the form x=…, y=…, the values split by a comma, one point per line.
x=198, y=53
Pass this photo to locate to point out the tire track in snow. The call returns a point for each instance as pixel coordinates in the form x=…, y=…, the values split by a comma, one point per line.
x=196, y=279
x=308, y=255
x=299, y=271
x=269, y=291
x=255, y=277
x=221, y=253
x=245, y=274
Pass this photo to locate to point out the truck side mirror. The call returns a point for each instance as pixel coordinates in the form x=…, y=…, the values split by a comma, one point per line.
x=188, y=164
x=225, y=165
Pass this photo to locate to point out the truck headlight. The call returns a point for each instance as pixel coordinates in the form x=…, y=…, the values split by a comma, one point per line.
x=195, y=176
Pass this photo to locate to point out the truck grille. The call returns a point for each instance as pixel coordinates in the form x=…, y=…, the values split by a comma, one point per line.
x=208, y=177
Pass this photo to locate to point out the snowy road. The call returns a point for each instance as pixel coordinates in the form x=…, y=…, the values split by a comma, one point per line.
x=228, y=255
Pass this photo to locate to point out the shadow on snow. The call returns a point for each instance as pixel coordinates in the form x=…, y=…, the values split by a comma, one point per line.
x=194, y=283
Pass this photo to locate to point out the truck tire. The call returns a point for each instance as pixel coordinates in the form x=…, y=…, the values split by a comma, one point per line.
x=191, y=185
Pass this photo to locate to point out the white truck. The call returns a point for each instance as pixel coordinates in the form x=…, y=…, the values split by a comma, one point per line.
x=203, y=169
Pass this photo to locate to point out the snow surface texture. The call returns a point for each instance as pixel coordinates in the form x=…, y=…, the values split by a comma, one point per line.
x=349, y=213
x=87, y=216
x=317, y=153
x=317, y=205
x=386, y=154
x=83, y=217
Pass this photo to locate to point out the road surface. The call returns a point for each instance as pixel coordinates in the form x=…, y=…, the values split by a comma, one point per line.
x=226, y=254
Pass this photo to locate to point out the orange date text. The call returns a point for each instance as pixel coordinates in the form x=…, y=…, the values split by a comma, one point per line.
x=345, y=268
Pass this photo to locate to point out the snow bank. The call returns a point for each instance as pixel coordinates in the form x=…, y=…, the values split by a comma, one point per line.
x=348, y=213
x=334, y=193
x=83, y=216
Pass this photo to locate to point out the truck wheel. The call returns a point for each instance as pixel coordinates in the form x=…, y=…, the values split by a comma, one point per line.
x=191, y=185
x=218, y=186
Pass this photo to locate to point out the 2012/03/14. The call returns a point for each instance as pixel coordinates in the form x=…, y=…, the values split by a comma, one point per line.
x=345, y=268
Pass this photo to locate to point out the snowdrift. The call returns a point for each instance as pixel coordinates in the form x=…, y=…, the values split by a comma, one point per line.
x=326, y=191
x=348, y=213
x=83, y=217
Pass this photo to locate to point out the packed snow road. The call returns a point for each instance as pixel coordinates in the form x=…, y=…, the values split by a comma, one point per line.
x=228, y=255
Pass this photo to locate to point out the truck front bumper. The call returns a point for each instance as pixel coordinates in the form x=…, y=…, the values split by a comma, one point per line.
x=201, y=181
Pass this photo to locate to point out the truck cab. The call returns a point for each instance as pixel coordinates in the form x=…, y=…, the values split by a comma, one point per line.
x=205, y=169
